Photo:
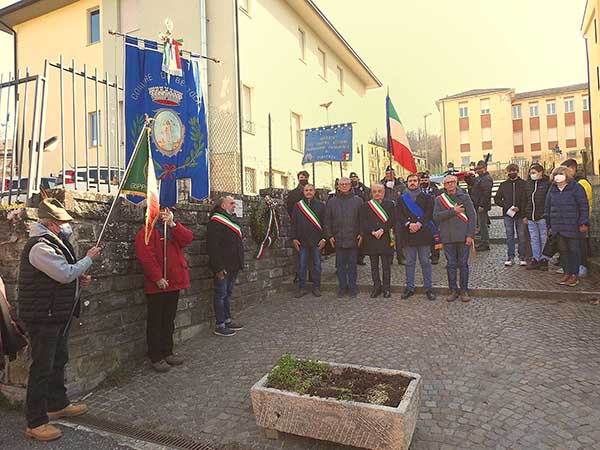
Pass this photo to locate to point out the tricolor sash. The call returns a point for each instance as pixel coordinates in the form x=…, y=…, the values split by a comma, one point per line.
x=223, y=219
x=309, y=214
x=382, y=214
x=448, y=203
x=417, y=211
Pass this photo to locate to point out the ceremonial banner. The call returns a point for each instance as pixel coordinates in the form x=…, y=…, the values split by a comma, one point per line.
x=330, y=143
x=178, y=138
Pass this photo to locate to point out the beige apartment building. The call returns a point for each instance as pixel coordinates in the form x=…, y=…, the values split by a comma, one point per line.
x=544, y=126
x=589, y=29
x=277, y=57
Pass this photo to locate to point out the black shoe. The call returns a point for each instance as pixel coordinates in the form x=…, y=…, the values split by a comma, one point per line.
x=430, y=295
x=316, y=292
x=301, y=293
x=341, y=293
x=543, y=265
x=224, y=331
x=352, y=294
x=234, y=326
x=375, y=292
x=387, y=294
x=407, y=294
x=482, y=248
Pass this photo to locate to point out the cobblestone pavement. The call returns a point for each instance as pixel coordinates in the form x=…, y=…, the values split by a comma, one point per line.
x=499, y=373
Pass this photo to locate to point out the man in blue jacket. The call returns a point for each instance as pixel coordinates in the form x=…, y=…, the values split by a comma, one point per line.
x=308, y=239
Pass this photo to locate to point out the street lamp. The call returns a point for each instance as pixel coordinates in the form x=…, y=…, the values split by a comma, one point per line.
x=425, y=116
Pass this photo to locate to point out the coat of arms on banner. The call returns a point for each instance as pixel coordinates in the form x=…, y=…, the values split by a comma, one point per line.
x=176, y=105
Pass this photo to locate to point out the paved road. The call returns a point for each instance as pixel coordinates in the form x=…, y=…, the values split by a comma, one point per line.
x=499, y=373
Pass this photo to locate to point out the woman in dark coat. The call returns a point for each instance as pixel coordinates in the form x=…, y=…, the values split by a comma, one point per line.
x=376, y=223
x=567, y=217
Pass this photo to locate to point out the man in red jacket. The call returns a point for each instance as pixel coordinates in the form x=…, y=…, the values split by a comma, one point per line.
x=163, y=293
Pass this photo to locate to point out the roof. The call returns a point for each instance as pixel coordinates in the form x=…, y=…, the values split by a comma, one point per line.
x=310, y=12
x=25, y=10
x=475, y=93
x=552, y=91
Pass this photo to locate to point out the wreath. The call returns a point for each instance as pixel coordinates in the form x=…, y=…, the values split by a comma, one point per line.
x=264, y=224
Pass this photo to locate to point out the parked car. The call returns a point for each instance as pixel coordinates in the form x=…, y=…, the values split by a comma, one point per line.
x=20, y=195
x=68, y=180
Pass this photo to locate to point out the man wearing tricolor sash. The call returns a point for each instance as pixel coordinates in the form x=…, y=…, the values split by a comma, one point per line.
x=226, y=259
x=377, y=221
x=455, y=215
x=308, y=238
x=414, y=211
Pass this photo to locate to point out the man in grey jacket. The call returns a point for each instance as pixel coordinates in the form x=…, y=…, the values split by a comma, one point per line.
x=455, y=215
x=50, y=278
x=342, y=228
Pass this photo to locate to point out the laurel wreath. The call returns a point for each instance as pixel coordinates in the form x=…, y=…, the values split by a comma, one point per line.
x=259, y=218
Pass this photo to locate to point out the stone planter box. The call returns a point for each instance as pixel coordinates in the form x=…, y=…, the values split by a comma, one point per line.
x=345, y=422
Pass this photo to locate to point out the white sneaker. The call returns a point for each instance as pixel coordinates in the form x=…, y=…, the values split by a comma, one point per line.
x=508, y=262
x=560, y=270
x=522, y=262
x=582, y=272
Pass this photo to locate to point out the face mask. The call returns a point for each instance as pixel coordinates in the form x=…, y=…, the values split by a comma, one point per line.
x=66, y=231
x=390, y=184
x=512, y=175
x=424, y=185
x=534, y=176
x=303, y=182
x=560, y=178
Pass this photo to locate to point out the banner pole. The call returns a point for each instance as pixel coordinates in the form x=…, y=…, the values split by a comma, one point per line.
x=165, y=250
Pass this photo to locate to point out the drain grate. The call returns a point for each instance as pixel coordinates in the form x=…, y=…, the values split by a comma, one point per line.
x=141, y=434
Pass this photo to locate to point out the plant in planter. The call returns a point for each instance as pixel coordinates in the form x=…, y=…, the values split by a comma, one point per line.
x=354, y=405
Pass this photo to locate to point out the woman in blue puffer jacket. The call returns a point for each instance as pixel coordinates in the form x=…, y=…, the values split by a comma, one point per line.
x=567, y=217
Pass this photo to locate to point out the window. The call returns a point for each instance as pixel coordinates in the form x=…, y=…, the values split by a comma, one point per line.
x=570, y=132
x=463, y=110
x=340, y=76
x=464, y=137
x=486, y=134
x=485, y=106
x=244, y=6
x=516, y=112
x=296, y=132
x=569, y=105
x=284, y=181
x=323, y=63
x=552, y=134
x=518, y=138
x=534, y=110
x=465, y=160
x=587, y=131
x=535, y=136
x=250, y=180
x=247, y=123
x=302, y=43
x=551, y=107
x=586, y=103
x=94, y=129
x=94, y=26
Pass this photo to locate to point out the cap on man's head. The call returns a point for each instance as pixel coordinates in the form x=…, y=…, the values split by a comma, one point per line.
x=481, y=164
x=423, y=175
x=353, y=174
x=51, y=208
x=389, y=169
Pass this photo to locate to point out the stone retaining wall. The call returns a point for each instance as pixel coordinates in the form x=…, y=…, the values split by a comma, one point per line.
x=111, y=331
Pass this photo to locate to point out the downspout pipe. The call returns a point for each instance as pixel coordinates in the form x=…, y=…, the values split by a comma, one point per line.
x=239, y=90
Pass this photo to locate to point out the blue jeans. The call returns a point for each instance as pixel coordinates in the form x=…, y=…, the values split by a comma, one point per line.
x=538, y=235
x=411, y=262
x=345, y=261
x=310, y=255
x=457, y=257
x=570, y=254
x=510, y=225
x=223, y=291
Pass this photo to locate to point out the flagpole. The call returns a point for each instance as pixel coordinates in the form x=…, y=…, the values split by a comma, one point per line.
x=165, y=249
x=122, y=182
x=387, y=124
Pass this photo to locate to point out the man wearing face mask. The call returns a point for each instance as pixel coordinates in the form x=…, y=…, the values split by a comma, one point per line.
x=49, y=281
x=481, y=194
x=393, y=186
x=510, y=197
x=296, y=194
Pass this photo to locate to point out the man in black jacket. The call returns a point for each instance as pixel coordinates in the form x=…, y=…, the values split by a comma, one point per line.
x=296, y=194
x=49, y=282
x=359, y=188
x=225, y=258
x=431, y=189
x=481, y=194
x=308, y=238
x=510, y=197
x=377, y=220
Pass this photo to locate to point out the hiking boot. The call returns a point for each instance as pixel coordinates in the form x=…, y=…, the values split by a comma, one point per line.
x=234, y=326
x=564, y=280
x=430, y=295
x=316, y=292
x=69, y=411
x=44, y=432
x=534, y=265
x=224, y=331
x=375, y=293
x=161, y=366
x=572, y=281
x=352, y=294
x=301, y=293
x=407, y=294
x=387, y=294
x=174, y=360
x=464, y=297
x=452, y=297
x=508, y=263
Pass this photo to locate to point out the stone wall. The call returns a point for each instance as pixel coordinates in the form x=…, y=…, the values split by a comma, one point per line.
x=111, y=331
x=595, y=221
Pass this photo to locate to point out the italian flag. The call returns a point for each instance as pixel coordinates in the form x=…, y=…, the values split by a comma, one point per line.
x=140, y=179
x=397, y=141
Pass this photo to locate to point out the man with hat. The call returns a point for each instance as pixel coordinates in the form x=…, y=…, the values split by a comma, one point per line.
x=431, y=189
x=393, y=186
x=49, y=283
x=359, y=188
x=481, y=194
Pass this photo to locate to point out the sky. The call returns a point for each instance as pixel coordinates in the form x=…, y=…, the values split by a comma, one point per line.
x=425, y=50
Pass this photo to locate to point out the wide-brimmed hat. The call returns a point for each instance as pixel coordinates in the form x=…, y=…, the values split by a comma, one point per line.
x=51, y=208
